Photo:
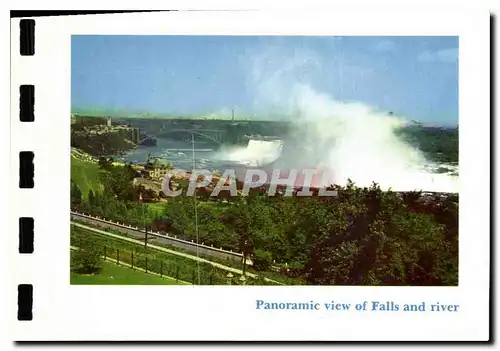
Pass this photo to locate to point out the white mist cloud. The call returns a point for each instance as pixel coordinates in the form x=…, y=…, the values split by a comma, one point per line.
x=360, y=143
x=273, y=74
x=352, y=139
x=445, y=55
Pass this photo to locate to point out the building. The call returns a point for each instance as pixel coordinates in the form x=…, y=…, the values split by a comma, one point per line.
x=158, y=172
x=156, y=168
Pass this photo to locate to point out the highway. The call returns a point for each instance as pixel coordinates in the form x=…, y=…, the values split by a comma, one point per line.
x=163, y=249
x=138, y=233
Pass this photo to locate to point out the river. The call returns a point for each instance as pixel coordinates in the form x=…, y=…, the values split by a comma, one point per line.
x=179, y=153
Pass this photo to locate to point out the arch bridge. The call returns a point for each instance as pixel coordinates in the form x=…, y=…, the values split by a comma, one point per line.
x=215, y=135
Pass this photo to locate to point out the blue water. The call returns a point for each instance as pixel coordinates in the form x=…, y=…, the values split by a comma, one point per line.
x=179, y=153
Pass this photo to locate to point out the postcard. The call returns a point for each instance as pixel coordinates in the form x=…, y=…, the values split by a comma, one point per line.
x=299, y=180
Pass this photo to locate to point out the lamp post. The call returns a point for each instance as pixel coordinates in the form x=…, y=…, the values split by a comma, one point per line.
x=244, y=256
x=145, y=229
x=229, y=276
x=243, y=280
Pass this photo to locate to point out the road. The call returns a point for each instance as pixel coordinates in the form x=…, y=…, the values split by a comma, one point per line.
x=163, y=249
x=193, y=247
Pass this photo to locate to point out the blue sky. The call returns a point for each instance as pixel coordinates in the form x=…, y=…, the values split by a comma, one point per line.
x=184, y=75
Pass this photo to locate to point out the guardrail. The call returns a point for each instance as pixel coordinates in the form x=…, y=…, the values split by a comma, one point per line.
x=189, y=245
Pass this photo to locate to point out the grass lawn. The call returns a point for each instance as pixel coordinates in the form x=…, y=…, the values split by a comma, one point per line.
x=85, y=175
x=112, y=274
x=173, y=265
x=158, y=207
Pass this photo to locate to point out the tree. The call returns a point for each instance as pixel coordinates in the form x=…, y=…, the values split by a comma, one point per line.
x=76, y=195
x=262, y=259
x=371, y=238
x=87, y=258
x=203, y=193
x=180, y=211
x=148, y=195
x=130, y=172
x=238, y=218
x=118, y=182
x=105, y=163
x=91, y=199
x=161, y=225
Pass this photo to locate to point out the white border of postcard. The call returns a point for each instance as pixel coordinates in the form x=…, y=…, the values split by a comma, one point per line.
x=65, y=312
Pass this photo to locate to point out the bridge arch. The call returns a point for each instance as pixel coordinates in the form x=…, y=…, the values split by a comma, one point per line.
x=164, y=131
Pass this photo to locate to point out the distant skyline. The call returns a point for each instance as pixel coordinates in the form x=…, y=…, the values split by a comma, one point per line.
x=416, y=77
